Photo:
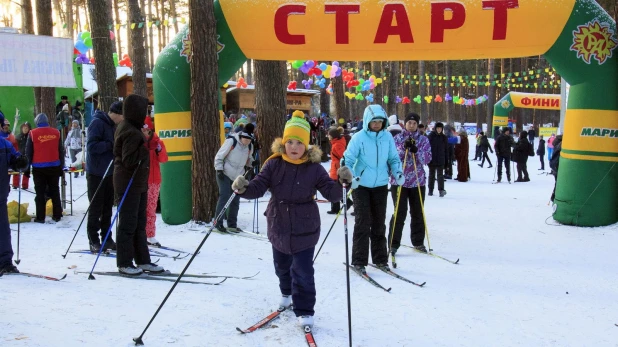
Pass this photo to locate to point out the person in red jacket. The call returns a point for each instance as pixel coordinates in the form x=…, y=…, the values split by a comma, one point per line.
x=158, y=155
x=337, y=147
x=46, y=153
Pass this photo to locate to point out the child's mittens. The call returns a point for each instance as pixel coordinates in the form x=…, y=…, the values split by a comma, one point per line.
x=345, y=177
x=240, y=184
x=400, y=179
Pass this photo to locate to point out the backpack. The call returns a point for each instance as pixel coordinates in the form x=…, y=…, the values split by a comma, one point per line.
x=530, y=150
x=236, y=141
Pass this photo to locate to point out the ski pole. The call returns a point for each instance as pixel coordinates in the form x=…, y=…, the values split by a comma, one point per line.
x=17, y=261
x=79, y=197
x=392, y=233
x=138, y=340
x=347, y=260
x=88, y=209
x=331, y=228
x=420, y=197
x=109, y=231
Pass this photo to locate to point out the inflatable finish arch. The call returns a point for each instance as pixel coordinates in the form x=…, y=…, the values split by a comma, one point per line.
x=522, y=100
x=576, y=36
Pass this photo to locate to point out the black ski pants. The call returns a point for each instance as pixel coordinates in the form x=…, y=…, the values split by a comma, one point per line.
x=295, y=273
x=485, y=156
x=432, y=177
x=507, y=164
x=46, y=182
x=417, y=224
x=131, y=235
x=100, y=213
x=369, y=225
x=522, y=167
x=542, y=157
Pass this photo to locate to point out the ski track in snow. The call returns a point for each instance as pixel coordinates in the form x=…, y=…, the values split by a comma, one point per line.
x=510, y=288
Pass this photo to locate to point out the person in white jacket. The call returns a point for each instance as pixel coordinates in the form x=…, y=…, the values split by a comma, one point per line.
x=233, y=159
x=74, y=142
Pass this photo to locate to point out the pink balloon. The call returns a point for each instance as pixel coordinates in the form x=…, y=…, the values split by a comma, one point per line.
x=111, y=35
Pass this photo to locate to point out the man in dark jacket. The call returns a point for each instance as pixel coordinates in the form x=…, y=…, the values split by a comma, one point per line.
x=554, y=163
x=99, y=156
x=439, y=154
x=484, y=146
x=503, y=151
x=540, y=151
x=64, y=100
x=9, y=158
x=449, y=131
x=46, y=153
x=132, y=160
x=520, y=155
x=531, y=135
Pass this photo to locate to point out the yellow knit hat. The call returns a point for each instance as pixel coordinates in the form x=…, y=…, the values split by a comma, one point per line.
x=297, y=128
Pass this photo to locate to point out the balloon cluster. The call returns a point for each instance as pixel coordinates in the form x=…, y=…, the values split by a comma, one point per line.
x=82, y=45
x=125, y=61
x=292, y=85
x=241, y=83
x=312, y=68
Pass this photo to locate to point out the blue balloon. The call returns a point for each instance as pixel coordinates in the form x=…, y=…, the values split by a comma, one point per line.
x=81, y=47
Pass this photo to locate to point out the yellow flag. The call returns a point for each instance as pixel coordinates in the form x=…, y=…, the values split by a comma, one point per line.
x=165, y=22
x=132, y=26
x=117, y=26
x=183, y=20
x=86, y=27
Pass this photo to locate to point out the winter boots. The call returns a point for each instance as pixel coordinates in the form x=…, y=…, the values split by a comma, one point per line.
x=421, y=248
x=360, y=269
x=442, y=193
x=335, y=207
x=130, y=270
x=109, y=244
x=153, y=242
x=154, y=268
x=9, y=269
x=305, y=321
x=285, y=302
x=383, y=266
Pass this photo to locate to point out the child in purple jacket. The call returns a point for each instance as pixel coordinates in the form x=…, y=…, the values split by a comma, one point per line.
x=293, y=174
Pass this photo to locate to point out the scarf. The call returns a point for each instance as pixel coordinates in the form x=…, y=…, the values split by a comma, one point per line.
x=301, y=160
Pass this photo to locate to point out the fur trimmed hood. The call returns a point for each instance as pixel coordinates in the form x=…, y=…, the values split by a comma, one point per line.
x=314, y=153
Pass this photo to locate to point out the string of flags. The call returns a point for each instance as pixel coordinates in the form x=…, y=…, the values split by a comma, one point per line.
x=117, y=26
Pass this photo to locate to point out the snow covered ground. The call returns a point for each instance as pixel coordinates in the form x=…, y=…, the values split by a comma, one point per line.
x=522, y=281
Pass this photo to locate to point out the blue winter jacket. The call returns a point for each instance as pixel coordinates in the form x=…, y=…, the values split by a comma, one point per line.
x=100, y=142
x=372, y=155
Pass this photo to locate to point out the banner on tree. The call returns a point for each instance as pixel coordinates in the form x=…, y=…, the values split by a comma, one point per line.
x=36, y=61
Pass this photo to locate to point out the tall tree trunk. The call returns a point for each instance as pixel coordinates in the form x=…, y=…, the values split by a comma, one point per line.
x=117, y=31
x=249, y=78
x=173, y=16
x=479, y=122
x=324, y=102
x=137, y=50
x=204, y=107
x=502, y=79
x=422, y=87
x=47, y=96
x=406, y=89
x=150, y=39
x=448, y=105
x=270, y=99
x=103, y=51
x=69, y=18
x=339, y=95
x=491, y=94
x=158, y=17
x=393, y=78
x=27, y=20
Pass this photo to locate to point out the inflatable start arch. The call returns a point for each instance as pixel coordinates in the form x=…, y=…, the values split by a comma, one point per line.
x=576, y=36
x=522, y=100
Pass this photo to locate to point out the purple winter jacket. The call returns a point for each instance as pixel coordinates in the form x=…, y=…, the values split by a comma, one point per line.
x=292, y=215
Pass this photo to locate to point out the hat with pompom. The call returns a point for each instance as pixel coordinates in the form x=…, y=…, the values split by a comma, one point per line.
x=297, y=128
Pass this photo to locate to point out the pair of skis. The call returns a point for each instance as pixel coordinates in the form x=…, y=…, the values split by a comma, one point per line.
x=27, y=274
x=432, y=255
x=370, y=279
x=171, y=277
x=153, y=253
x=270, y=317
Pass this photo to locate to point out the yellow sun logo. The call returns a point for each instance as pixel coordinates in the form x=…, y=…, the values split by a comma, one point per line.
x=506, y=104
x=594, y=40
x=187, y=52
x=186, y=47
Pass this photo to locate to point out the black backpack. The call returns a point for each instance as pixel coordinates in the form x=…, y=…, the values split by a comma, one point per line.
x=236, y=141
x=530, y=150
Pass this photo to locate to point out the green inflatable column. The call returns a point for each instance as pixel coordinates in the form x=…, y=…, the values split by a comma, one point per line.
x=171, y=80
x=586, y=55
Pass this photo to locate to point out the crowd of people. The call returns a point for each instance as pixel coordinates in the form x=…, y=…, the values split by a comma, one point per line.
x=373, y=157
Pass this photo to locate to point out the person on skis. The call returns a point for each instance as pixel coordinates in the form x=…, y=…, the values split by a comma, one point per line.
x=439, y=153
x=372, y=157
x=9, y=158
x=293, y=174
x=132, y=164
x=503, y=151
x=484, y=147
x=22, y=140
x=158, y=155
x=411, y=145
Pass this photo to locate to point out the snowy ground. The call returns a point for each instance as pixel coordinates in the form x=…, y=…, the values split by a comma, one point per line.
x=521, y=281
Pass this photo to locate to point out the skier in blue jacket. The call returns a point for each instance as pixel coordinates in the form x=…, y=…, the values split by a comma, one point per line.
x=372, y=157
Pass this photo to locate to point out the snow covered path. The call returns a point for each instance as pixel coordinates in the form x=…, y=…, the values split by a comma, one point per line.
x=521, y=281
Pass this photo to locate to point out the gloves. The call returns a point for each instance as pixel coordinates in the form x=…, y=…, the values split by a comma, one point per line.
x=400, y=179
x=240, y=184
x=159, y=148
x=220, y=174
x=410, y=145
x=345, y=175
x=20, y=163
x=255, y=163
